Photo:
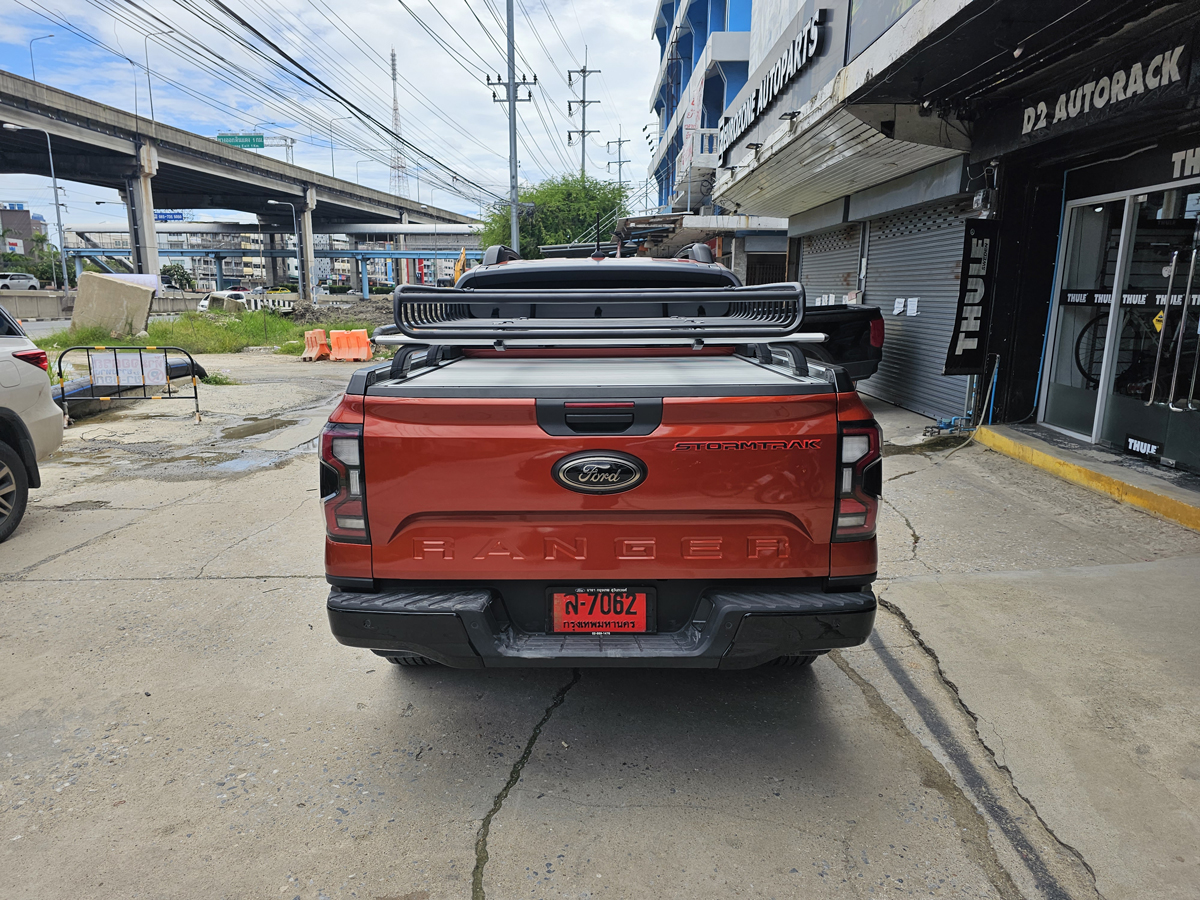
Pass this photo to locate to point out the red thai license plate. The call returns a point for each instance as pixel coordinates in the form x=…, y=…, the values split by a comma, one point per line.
x=602, y=609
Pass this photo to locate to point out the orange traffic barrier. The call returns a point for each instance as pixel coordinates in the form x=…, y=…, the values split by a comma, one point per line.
x=337, y=345
x=352, y=346
x=314, y=345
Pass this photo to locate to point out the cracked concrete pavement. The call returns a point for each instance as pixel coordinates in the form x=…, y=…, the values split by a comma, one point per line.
x=177, y=721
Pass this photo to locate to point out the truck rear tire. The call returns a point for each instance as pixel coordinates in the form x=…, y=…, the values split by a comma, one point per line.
x=792, y=662
x=411, y=659
x=14, y=490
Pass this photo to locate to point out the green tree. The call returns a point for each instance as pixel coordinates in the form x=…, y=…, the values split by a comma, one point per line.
x=180, y=276
x=563, y=209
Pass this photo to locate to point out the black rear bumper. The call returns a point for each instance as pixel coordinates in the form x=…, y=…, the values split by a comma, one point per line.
x=468, y=629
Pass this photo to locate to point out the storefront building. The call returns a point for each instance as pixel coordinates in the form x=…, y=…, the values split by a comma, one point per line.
x=1072, y=131
x=1099, y=158
x=875, y=200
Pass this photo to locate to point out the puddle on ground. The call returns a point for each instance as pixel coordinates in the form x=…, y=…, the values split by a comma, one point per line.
x=253, y=426
x=77, y=505
x=242, y=463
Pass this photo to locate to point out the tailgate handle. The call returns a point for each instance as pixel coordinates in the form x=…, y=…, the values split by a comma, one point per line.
x=567, y=417
x=598, y=422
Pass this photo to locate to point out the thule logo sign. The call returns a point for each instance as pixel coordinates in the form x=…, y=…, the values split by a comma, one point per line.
x=1136, y=446
x=968, y=347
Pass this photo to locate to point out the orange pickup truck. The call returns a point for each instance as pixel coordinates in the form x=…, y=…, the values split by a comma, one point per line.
x=600, y=462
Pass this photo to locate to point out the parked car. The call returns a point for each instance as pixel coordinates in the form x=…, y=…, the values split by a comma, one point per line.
x=31, y=425
x=18, y=281
x=601, y=462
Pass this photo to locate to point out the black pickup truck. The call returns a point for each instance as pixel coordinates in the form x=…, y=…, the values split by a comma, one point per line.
x=854, y=333
x=855, y=337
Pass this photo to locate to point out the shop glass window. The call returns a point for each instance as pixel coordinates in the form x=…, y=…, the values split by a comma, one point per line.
x=1084, y=298
x=1153, y=395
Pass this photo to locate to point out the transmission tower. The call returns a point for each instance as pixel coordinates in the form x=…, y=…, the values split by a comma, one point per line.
x=399, y=167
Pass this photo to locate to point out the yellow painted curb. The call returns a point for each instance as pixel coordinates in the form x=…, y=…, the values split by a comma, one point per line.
x=1159, y=504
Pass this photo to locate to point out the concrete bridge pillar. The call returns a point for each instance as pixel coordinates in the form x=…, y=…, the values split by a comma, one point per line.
x=276, y=267
x=308, y=254
x=400, y=266
x=139, y=203
x=365, y=277
x=278, y=264
x=355, y=268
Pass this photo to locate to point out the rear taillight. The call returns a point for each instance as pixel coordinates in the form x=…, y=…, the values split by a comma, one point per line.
x=877, y=332
x=343, y=485
x=860, y=481
x=34, y=358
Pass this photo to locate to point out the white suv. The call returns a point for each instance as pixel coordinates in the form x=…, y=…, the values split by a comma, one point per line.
x=18, y=281
x=31, y=424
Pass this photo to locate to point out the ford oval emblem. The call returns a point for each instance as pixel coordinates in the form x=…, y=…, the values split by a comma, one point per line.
x=599, y=472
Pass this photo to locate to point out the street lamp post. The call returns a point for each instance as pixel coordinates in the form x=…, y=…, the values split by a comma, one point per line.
x=366, y=159
x=299, y=252
x=332, y=164
x=62, y=235
x=32, y=67
x=146, y=53
x=437, y=269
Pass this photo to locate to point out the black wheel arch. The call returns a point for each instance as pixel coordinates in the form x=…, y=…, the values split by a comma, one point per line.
x=14, y=433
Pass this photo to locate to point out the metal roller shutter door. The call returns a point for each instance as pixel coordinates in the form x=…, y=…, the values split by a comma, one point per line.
x=917, y=253
x=829, y=263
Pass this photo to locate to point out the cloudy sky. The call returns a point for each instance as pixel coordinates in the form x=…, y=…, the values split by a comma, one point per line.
x=214, y=73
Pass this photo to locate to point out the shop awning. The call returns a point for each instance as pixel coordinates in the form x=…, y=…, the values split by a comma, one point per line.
x=799, y=168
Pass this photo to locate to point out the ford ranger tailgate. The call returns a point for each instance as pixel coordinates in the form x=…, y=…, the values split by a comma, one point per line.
x=468, y=467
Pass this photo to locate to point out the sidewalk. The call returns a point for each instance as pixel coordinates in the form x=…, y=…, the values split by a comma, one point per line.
x=1167, y=493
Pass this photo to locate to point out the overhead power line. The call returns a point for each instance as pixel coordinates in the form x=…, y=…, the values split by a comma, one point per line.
x=316, y=82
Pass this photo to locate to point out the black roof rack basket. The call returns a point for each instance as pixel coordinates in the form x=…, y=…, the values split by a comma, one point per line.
x=642, y=314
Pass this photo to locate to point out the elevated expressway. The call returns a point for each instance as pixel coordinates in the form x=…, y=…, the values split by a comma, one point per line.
x=155, y=165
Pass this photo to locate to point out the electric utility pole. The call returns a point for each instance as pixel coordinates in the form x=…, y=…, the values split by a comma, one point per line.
x=511, y=98
x=619, y=162
x=583, y=103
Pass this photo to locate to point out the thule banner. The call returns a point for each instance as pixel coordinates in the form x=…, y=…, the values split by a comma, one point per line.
x=968, y=346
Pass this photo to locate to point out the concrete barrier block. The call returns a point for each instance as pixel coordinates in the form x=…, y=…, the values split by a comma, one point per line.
x=32, y=304
x=177, y=302
x=228, y=304
x=112, y=304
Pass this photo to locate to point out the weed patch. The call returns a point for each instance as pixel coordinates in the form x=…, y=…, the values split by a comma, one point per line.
x=200, y=332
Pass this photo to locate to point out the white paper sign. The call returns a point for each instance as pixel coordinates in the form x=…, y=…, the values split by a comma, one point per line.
x=126, y=369
x=104, y=368
x=156, y=368
x=912, y=306
x=899, y=307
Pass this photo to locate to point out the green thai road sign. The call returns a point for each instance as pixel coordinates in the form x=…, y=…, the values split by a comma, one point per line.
x=245, y=141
